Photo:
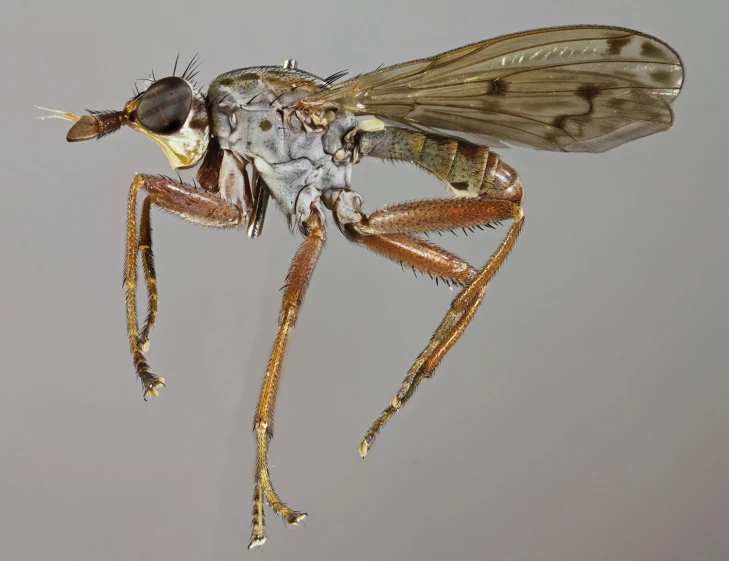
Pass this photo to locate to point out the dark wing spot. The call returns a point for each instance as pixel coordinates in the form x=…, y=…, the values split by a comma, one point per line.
x=663, y=77
x=648, y=49
x=616, y=45
x=498, y=87
x=460, y=185
x=587, y=92
x=554, y=138
x=265, y=125
x=618, y=102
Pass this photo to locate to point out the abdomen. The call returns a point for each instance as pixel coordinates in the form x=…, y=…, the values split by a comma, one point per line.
x=466, y=169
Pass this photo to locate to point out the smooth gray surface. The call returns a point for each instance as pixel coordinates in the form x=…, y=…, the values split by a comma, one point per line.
x=582, y=417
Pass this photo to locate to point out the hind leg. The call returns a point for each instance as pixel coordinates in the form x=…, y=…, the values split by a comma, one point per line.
x=391, y=223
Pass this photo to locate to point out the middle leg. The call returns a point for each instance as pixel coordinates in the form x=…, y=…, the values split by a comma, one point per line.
x=302, y=267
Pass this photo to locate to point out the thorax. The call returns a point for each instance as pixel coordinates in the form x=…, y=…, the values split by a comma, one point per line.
x=252, y=123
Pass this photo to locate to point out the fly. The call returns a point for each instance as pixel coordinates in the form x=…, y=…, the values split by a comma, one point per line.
x=277, y=132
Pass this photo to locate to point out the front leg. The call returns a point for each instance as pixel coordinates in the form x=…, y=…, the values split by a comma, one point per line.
x=150, y=274
x=190, y=203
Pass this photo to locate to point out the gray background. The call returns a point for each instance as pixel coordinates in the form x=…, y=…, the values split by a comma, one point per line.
x=582, y=417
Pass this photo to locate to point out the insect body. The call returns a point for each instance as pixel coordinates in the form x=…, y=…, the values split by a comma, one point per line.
x=281, y=133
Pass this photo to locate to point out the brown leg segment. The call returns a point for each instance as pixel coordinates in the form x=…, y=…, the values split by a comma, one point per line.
x=421, y=255
x=300, y=273
x=428, y=216
x=193, y=204
x=150, y=275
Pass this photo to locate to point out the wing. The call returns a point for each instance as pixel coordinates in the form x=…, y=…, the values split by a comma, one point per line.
x=572, y=89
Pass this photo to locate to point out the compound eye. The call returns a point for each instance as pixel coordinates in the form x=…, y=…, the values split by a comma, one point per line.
x=163, y=108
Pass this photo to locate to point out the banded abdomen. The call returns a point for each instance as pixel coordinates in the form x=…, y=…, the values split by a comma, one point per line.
x=466, y=169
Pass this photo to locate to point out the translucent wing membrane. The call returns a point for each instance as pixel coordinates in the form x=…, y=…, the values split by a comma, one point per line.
x=572, y=89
